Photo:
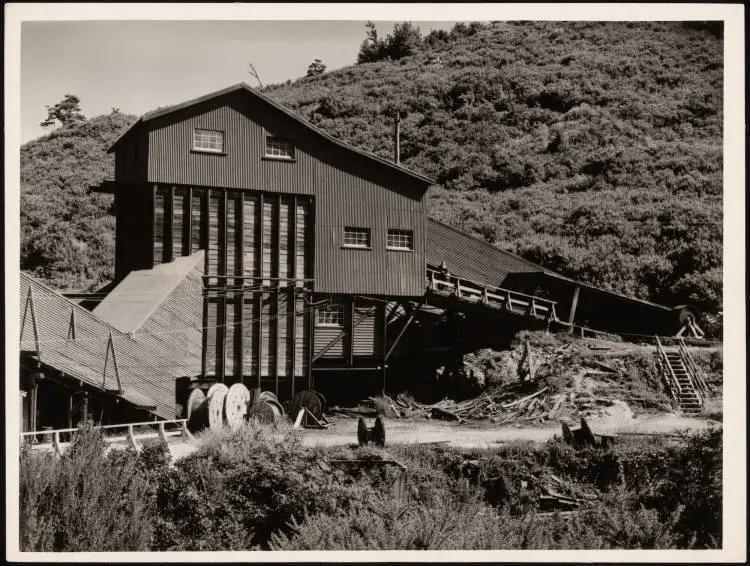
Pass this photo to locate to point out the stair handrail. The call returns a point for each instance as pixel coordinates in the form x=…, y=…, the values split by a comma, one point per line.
x=692, y=367
x=689, y=374
x=671, y=377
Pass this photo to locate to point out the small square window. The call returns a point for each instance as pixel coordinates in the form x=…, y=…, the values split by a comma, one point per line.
x=279, y=148
x=356, y=237
x=400, y=240
x=330, y=315
x=211, y=141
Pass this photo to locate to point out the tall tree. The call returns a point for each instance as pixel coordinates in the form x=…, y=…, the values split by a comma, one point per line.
x=67, y=112
x=317, y=67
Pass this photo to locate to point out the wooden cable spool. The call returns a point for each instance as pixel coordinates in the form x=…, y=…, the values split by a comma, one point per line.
x=261, y=412
x=268, y=396
x=236, y=405
x=216, y=396
x=309, y=400
x=196, y=411
x=375, y=434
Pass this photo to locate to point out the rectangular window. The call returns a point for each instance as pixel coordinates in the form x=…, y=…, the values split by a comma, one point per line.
x=279, y=148
x=356, y=237
x=330, y=315
x=211, y=141
x=400, y=240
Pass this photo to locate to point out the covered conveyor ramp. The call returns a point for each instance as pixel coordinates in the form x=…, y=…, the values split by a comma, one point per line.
x=64, y=343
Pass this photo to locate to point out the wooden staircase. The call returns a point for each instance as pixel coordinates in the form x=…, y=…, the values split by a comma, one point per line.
x=686, y=382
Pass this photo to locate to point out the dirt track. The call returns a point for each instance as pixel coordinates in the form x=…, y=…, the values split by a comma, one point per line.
x=474, y=434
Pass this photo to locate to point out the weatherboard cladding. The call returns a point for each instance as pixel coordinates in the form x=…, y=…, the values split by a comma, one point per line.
x=471, y=258
x=350, y=189
x=147, y=372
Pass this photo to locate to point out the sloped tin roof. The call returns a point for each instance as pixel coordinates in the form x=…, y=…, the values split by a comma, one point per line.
x=139, y=294
x=244, y=87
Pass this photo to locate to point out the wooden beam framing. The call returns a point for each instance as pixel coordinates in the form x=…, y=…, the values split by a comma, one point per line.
x=189, y=220
x=30, y=307
x=72, y=325
x=221, y=323
x=292, y=295
x=259, y=263
x=169, y=226
x=384, y=347
x=402, y=332
x=277, y=255
x=239, y=314
x=151, y=259
x=349, y=344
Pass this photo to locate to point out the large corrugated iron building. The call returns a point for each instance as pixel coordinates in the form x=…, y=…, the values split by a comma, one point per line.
x=252, y=246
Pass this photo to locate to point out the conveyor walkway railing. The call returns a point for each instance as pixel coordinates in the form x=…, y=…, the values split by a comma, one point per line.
x=448, y=285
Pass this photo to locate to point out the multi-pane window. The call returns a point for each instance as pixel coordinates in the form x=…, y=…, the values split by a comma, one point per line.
x=208, y=140
x=400, y=240
x=356, y=237
x=330, y=315
x=279, y=147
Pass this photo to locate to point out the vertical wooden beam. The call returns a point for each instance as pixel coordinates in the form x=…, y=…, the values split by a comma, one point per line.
x=261, y=252
x=277, y=319
x=151, y=262
x=239, y=314
x=169, y=226
x=204, y=329
x=205, y=218
x=384, y=346
x=223, y=250
x=573, y=306
x=310, y=347
x=349, y=322
x=36, y=379
x=292, y=294
x=70, y=409
x=188, y=249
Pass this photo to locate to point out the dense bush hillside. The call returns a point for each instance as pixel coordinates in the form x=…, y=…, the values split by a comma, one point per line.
x=592, y=148
x=67, y=235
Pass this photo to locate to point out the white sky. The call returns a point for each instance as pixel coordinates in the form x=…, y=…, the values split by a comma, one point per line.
x=137, y=66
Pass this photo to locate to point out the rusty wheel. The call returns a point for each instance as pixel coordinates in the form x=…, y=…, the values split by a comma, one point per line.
x=216, y=406
x=235, y=405
x=379, y=432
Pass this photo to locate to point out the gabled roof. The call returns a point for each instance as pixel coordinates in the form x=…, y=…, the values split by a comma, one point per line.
x=472, y=258
x=244, y=87
x=129, y=305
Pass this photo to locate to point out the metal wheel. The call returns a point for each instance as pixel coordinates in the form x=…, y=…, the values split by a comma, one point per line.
x=308, y=400
x=379, y=432
x=235, y=405
x=361, y=432
x=216, y=406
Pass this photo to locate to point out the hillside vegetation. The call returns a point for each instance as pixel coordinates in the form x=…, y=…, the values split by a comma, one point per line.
x=594, y=149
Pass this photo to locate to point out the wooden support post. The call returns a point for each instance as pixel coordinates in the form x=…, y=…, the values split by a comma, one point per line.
x=384, y=347
x=36, y=379
x=278, y=271
x=169, y=226
x=402, y=332
x=573, y=307
x=189, y=220
x=83, y=406
x=70, y=410
x=151, y=259
x=259, y=302
x=311, y=342
x=349, y=322
x=239, y=314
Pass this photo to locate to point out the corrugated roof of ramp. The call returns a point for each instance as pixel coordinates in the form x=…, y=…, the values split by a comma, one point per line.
x=139, y=294
x=472, y=258
x=244, y=87
x=76, y=342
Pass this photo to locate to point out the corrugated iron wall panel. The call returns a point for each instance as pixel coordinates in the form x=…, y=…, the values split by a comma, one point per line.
x=349, y=189
x=323, y=336
x=364, y=333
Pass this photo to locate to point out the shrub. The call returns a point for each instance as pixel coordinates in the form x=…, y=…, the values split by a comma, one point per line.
x=84, y=500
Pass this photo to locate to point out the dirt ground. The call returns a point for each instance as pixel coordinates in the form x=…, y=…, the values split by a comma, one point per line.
x=475, y=434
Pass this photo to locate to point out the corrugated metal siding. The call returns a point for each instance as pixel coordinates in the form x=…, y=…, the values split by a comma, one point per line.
x=470, y=257
x=364, y=342
x=145, y=368
x=323, y=336
x=349, y=189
